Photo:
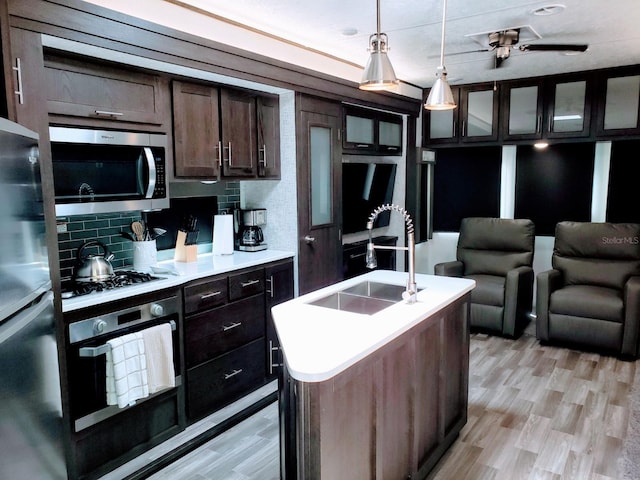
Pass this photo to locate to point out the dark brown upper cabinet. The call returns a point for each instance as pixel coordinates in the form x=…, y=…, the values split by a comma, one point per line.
x=475, y=119
x=522, y=110
x=268, y=109
x=82, y=92
x=222, y=133
x=568, y=106
x=370, y=132
x=618, y=112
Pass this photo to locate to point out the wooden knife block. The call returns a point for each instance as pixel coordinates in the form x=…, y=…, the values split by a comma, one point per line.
x=185, y=253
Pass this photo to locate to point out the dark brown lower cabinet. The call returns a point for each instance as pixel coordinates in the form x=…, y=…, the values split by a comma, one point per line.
x=391, y=415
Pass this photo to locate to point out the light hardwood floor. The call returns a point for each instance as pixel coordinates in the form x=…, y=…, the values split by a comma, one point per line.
x=535, y=412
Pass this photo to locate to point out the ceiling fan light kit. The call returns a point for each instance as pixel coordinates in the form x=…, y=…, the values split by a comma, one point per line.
x=378, y=73
x=441, y=97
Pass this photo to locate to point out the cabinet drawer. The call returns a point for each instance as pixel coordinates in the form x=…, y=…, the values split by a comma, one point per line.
x=224, y=379
x=245, y=284
x=214, y=332
x=201, y=296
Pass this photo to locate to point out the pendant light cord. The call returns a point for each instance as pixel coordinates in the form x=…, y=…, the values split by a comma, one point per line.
x=378, y=21
x=444, y=17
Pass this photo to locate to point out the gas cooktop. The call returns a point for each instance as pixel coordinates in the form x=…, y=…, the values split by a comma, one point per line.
x=121, y=278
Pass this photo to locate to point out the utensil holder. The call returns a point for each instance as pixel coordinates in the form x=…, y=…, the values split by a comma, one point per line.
x=145, y=255
x=185, y=253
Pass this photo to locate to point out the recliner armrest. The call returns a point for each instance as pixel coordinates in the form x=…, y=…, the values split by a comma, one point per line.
x=631, y=330
x=518, y=293
x=449, y=269
x=546, y=283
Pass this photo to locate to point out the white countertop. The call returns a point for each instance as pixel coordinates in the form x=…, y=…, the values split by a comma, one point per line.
x=206, y=265
x=319, y=342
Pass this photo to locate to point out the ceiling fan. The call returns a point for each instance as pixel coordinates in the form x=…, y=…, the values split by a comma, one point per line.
x=503, y=41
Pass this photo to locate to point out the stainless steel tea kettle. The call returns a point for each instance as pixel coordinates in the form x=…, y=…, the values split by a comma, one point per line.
x=94, y=268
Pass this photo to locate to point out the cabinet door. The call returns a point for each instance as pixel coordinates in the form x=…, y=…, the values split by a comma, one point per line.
x=441, y=126
x=569, y=108
x=25, y=90
x=238, y=115
x=479, y=113
x=619, y=112
x=359, y=131
x=78, y=88
x=268, y=137
x=196, y=124
x=390, y=136
x=279, y=280
x=522, y=110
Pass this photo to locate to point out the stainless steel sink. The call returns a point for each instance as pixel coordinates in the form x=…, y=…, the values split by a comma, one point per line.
x=366, y=298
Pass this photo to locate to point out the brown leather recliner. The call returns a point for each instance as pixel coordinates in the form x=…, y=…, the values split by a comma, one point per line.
x=591, y=297
x=498, y=254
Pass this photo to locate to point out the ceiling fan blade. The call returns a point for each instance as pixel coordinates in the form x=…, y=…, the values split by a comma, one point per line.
x=470, y=51
x=553, y=47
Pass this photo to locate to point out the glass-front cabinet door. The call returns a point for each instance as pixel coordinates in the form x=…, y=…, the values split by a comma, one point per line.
x=521, y=109
x=569, y=108
x=479, y=113
x=441, y=126
x=619, y=109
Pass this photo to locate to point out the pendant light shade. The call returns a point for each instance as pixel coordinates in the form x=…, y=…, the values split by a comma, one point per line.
x=440, y=97
x=378, y=74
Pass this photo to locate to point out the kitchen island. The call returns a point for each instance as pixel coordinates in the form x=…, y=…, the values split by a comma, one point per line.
x=378, y=395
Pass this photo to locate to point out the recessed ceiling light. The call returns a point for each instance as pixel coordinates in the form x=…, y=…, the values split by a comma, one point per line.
x=548, y=10
x=349, y=32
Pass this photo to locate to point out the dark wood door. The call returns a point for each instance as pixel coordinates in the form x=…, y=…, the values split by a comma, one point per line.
x=196, y=130
x=319, y=193
x=238, y=111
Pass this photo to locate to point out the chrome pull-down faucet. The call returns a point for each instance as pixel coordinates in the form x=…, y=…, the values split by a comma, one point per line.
x=410, y=294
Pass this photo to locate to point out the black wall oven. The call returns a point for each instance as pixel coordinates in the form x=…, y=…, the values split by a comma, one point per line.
x=106, y=435
x=99, y=171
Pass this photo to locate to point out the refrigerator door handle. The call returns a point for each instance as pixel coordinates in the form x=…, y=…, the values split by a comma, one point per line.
x=25, y=317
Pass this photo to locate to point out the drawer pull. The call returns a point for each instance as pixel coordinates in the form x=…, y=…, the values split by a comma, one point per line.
x=229, y=327
x=209, y=295
x=249, y=283
x=227, y=376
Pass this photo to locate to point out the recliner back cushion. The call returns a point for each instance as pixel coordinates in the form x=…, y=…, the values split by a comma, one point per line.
x=604, y=254
x=494, y=246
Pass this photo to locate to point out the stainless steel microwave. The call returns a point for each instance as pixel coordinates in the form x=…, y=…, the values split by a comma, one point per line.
x=100, y=171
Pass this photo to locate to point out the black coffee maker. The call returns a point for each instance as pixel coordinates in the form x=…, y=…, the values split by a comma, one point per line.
x=250, y=236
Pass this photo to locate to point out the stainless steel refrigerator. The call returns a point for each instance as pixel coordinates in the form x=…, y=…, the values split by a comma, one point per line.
x=30, y=402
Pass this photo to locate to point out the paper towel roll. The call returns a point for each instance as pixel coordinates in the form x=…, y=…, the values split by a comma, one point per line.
x=222, y=235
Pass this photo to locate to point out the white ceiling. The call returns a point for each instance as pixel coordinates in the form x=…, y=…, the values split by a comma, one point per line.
x=414, y=29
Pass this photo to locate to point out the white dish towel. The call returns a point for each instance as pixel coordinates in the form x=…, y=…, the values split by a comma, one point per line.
x=158, y=345
x=126, y=370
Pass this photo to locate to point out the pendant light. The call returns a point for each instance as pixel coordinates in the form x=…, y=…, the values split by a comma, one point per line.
x=378, y=74
x=440, y=97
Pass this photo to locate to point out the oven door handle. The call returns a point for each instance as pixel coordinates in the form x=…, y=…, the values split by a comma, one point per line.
x=103, y=349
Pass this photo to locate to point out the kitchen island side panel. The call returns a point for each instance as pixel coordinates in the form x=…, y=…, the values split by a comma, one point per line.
x=391, y=415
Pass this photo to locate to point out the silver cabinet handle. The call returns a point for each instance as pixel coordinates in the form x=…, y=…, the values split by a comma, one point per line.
x=106, y=113
x=209, y=295
x=229, y=158
x=229, y=327
x=19, y=92
x=264, y=155
x=271, y=285
x=271, y=362
x=220, y=153
x=249, y=283
x=309, y=239
x=227, y=376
